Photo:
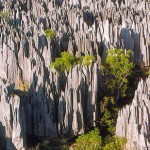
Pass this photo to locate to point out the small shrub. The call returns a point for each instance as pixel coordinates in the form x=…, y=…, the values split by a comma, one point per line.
x=24, y=87
x=50, y=34
x=4, y=14
x=89, y=141
x=146, y=72
x=65, y=147
x=116, y=143
x=67, y=61
x=79, y=60
x=88, y=60
x=108, y=116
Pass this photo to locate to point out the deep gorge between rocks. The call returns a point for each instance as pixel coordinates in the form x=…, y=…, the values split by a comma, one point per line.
x=82, y=27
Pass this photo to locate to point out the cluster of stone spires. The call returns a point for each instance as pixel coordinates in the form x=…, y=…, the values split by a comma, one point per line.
x=82, y=27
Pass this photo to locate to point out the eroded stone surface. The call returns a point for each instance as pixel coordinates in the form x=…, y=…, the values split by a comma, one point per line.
x=133, y=120
x=62, y=105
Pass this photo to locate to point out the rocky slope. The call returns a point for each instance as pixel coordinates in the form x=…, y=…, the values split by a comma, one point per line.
x=61, y=105
x=133, y=120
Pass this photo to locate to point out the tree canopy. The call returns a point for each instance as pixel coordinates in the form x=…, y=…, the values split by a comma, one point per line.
x=67, y=61
x=118, y=67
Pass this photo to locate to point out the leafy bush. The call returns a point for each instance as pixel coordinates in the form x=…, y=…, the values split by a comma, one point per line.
x=116, y=143
x=89, y=141
x=50, y=34
x=4, y=14
x=67, y=61
x=117, y=69
x=146, y=72
x=108, y=116
x=24, y=87
x=88, y=60
x=93, y=141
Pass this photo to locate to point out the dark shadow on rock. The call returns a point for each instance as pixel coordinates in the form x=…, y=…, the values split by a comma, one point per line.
x=88, y=17
x=1, y=6
x=131, y=40
x=58, y=3
x=2, y=137
x=42, y=41
x=42, y=21
x=45, y=7
x=127, y=40
x=40, y=114
x=5, y=142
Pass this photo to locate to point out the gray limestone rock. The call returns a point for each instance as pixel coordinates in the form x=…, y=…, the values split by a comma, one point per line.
x=133, y=120
x=62, y=104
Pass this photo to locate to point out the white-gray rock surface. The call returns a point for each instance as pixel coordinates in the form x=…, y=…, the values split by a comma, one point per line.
x=62, y=105
x=134, y=120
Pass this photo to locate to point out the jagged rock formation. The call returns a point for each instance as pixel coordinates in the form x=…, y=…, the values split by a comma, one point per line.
x=12, y=118
x=62, y=105
x=133, y=120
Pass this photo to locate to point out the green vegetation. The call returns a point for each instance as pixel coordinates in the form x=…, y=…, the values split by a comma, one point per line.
x=108, y=116
x=93, y=141
x=4, y=14
x=89, y=141
x=88, y=60
x=144, y=71
x=22, y=86
x=116, y=143
x=117, y=69
x=67, y=61
x=50, y=34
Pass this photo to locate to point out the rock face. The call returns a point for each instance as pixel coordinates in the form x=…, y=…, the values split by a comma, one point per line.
x=61, y=104
x=65, y=105
x=133, y=120
x=12, y=118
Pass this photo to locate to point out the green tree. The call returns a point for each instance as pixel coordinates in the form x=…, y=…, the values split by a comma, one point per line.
x=117, y=69
x=108, y=116
x=67, y=61
x=116, y=143
x=89, y=141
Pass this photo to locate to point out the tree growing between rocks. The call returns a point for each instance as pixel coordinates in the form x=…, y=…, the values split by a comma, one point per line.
x=117, y=68
x=50, y=34
x=67, y=61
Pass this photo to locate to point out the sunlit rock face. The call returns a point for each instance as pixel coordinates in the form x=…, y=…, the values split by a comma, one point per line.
x=59, y=105
x=133, y=120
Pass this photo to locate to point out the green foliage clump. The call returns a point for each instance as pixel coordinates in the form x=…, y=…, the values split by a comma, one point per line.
x=67, y=61
x=4, y=14
x=117, y=69
x=116, y=143
x=24, y=87
x=93, y=141
x=143, y=70
x=109, y=113
x=89, y=141
x=88, y=60
x=50, y=34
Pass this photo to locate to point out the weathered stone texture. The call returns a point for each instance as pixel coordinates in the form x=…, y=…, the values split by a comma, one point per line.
x=12, y=118
x=62, y=105
x=133, y=120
